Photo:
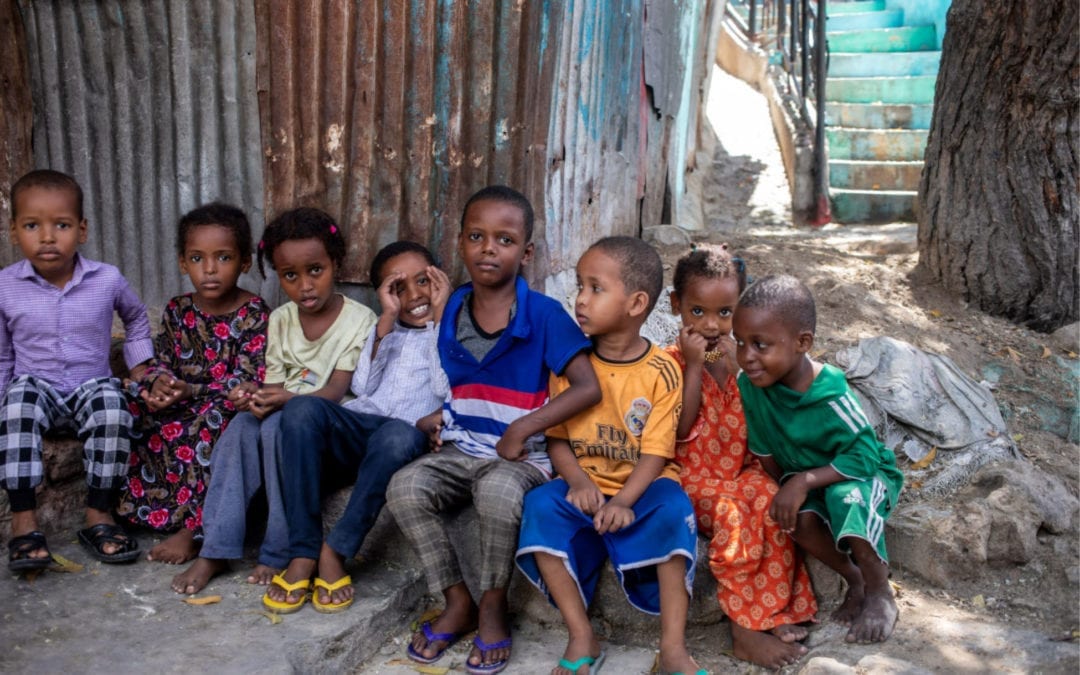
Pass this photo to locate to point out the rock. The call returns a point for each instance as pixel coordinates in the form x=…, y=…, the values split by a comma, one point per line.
x=829, y=586
x=665, y=235
x=1054, y=504
x=63, y=458
x=1066, y=338
x=879, y=664
x=996, y=519
x=939, y=544
x=823, y=665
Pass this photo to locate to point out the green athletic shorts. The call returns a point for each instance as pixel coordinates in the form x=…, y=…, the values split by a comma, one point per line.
x=853, y=508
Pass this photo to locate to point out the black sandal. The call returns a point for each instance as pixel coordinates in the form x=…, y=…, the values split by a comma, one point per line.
x=20, y=548
x=95, y=538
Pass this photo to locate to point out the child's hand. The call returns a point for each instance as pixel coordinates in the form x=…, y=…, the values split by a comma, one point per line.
x=511, y=446
x=586, y=497
x=165, y=391
x=431, y=426
x=612, y=517
x=388, y=297
x=787, y=502
x=693, y=346
x=240, y=395
x=440, y=290
x=265, y=401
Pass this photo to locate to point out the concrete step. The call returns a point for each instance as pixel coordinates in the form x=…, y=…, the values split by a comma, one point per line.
x=866, y=175
x=879, y=115
x=873, y=206
x=835, y=8
x=876, y=144
x=882, y=64
x=905, y=39
x=887, y=18
x=915, y=90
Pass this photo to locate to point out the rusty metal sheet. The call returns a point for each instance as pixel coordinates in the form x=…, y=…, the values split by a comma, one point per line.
x=151, y=105
x=15, y=115
x=389, y=114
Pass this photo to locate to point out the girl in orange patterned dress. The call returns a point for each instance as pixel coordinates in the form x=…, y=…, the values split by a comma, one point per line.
x=762, y=585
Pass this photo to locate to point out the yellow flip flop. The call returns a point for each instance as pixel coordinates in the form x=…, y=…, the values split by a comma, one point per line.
x=281, y=607
x=330, y=607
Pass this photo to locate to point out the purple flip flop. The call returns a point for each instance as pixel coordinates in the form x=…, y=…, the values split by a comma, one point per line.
x=489, y=668
x=432, y=636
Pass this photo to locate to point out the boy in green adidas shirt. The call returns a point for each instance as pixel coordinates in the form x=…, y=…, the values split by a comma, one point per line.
x=838, y=481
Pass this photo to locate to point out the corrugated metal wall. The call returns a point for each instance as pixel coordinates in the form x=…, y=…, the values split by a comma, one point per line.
x=386, y=113
x=151, y=105
x=15, y=113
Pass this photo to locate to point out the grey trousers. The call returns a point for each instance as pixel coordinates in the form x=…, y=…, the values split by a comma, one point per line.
x=446, y=481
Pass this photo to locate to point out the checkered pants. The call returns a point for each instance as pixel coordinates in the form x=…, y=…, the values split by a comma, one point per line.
x=447, y=481
x=97, y=411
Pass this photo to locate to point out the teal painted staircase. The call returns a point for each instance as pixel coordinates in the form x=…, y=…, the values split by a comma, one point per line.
x=879, y=100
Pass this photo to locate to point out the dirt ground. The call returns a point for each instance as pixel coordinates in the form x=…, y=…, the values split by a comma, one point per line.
x=867, y=283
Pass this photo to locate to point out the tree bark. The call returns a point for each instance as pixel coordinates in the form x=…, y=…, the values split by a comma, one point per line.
x=999, y=190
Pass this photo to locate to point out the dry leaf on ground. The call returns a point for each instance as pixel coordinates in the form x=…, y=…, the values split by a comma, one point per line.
x=205, y=600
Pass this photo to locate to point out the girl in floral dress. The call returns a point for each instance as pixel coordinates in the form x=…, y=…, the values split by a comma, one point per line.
x=762, y=585
x=209, y=357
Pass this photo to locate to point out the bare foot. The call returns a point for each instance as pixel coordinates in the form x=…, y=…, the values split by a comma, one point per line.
x=877, y=619
x=194, y=578
x=262, y=575
x=298, y=570
x=493, y=629
x=846, y=613
x=331, y=569
x=577, y=648
x=176, y=550
x=764, y=649
x=675, y=659
x=790, y=632
x=459, y=617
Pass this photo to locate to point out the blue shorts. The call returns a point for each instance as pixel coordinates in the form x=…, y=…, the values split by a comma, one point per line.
x=663, y=527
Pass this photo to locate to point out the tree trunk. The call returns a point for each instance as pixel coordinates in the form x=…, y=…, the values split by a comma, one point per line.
x=999, y=191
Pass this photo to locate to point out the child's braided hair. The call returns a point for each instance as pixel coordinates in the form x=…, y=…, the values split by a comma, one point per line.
x=222, y=215
x=302, y=223
x=709, y=262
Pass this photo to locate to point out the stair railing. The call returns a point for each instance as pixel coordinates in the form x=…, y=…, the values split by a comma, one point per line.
x=790, y=30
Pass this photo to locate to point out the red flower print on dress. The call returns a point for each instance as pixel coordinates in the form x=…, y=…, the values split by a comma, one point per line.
x=205, y=407
x=221, y=330
x=133, y=408
x=210, y=354
x=218, y=370
x=158, y=518
x=172, y=431
x=200, y=487
x=189, y=319
x=189, y=523
x=135, y=486
x=183, y=496
x=261, y=373
x=204, y=435
x=255, y=344
x=172, y=477
x=185, y=453
x=242, y=312
x=155, y=443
